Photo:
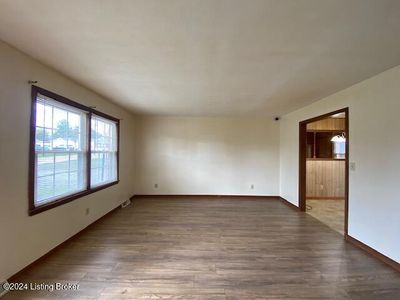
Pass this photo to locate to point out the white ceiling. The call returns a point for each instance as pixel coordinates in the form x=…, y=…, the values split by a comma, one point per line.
x=208, y=57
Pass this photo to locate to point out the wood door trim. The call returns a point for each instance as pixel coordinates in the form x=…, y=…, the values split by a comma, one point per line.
x=303, y=161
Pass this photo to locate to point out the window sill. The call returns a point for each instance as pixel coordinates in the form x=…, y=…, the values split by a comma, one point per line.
x=36, y=210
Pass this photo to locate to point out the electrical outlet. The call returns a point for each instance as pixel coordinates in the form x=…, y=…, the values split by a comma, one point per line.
x=87, y=211
x=352, y=166
x=156, y=185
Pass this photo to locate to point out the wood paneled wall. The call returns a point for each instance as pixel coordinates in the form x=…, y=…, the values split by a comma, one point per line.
x=325, y=179
x=327, y=124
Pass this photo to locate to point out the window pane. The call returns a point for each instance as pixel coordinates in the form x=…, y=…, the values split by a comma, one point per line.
x=61, y=184
x=104, y=168
x=44, y=188
x=48, y=139
x=75, y=132
x=60, y=123
x=61, y=162
x=45, y=164
x=48, y=116
x=60, y=148
x=340, y=149
x=75, y=162
x=104, y=151
x=40, y=114
x=74, y=182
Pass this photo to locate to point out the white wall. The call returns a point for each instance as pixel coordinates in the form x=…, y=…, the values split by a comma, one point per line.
x=374, y=199
x=24, y=238
x=199, y=155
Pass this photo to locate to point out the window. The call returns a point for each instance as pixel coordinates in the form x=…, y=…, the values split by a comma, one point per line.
x=104, y=151
x=60, y=150
x=339, y=146
x=340, y=150
x=65, y=164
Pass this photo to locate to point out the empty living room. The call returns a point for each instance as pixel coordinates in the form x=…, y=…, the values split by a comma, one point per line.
x=200, y=149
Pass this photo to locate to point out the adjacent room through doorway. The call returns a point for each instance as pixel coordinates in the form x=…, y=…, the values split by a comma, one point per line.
x=325, y=168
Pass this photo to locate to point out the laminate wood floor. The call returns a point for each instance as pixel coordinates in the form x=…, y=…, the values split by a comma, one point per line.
x=205, y=248
x=329, y=212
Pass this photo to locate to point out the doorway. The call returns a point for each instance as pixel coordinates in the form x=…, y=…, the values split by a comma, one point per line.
x=323, y=168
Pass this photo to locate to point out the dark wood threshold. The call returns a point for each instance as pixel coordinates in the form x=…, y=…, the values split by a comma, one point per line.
x=289, y=204
x=44, y=256
x=383, y=258
x=325, y=130
x=326, y=198
x=325, y=159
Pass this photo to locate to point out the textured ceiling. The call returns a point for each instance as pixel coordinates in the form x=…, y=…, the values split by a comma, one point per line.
x=208, y=57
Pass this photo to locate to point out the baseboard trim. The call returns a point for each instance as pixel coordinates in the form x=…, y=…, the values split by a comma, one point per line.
x=289, y=204
x=243, y=197
x=253, y=197
x=44, y=256
x=371, y=251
